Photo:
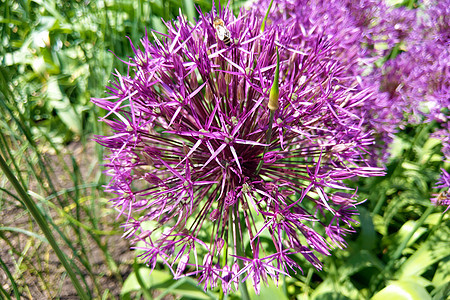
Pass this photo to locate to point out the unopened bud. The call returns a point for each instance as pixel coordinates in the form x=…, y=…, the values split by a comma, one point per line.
x=208, y=93
x=182, y=265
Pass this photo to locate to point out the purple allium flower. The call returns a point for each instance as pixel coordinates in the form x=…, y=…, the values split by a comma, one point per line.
x=418, y=79
x=414, y=84
x=444, y=135
x=354, y=28
x=204, y=188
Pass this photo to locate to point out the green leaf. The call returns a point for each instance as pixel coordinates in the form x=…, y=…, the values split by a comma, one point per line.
x=29, y=233
x=367, y=237
x=62, y=105
x=268, y=292
x=361, y=260
x=421, y=259
x=163, y=281
x=149, y=279
x=189, y=9
x=405, y=230
x=402, y=290
x=442, y=275
x=328, y=290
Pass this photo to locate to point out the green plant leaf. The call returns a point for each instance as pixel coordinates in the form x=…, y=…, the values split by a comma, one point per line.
x=402, y=290
x=421, y=259
x=29, y=233
x=62, y=105
x=149, y=279
x=268, y=292
x=367, y=237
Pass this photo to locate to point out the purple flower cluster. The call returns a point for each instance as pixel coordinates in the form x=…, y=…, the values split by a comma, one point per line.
x=418, y=79
x=354, y=28
x=213, y=181
x=442, y=198
x=411, y=87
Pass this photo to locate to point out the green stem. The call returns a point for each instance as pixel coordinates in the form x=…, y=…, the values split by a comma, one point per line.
x=240, y=252
x=263, y=25
x=145, y=291
x=13, y=283
x=40, y=220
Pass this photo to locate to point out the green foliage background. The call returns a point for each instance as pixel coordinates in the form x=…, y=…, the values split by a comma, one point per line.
x=55, y=56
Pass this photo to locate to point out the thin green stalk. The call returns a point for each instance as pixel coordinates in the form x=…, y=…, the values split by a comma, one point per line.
x=20, y=122
x=13, y=161
x=240, y=252
x=263, y=24
x=40, y=220
x=4, y=293
x=145, y=291
x=13, y=283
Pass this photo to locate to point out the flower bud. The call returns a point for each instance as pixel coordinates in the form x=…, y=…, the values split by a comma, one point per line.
x=182, y=264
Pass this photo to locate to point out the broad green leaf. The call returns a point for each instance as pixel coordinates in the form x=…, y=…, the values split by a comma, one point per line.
x=331, y=296
x=164, y=282
x=442, y=275
x=149, y=278
x=402, y=290
x=189, y=9
x=421, y=259
x=379, y=224
x=329, y=289
x=62, y=105
x=268, y=292
x=433, y=219
x=360, y=260
x=405, y=230
x=431, y=143
x=367, y=237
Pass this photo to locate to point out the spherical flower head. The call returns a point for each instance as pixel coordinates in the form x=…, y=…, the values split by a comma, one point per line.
x=206, y=186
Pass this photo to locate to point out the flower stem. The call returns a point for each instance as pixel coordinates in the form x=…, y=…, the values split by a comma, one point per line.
x=240, y=252
x=263, y=24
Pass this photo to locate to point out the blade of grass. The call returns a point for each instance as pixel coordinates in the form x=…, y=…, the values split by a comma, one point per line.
x=13, y=283
x=34, y=211
x=93, y=232
x=29, y=233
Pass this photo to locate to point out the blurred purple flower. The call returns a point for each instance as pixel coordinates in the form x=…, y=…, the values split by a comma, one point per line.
x=418, y=79
x=355, y=28
x=190, y=123
x=442, y=198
